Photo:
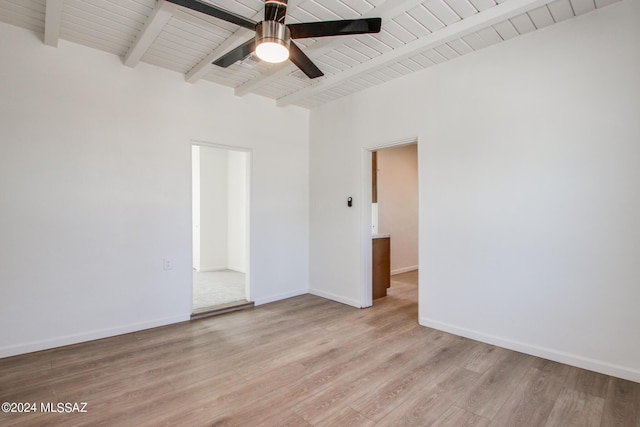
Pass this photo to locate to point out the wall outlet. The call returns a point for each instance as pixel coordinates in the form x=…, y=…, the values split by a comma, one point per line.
x=167, y=264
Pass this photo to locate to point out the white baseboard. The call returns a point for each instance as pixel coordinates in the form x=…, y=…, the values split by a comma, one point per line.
x=334, y=297
x=273, y=298
x=236, y=269
x=29, y=347
x=404, y=270
x=546, y=353
x=217, y=268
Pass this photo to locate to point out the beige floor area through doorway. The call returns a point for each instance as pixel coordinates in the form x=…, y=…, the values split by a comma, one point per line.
x=214, y=288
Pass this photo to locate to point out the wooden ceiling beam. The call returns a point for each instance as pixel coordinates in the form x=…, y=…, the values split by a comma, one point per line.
x=52, y=22
x=160, y=16
x=454, y=31
x=206, y=65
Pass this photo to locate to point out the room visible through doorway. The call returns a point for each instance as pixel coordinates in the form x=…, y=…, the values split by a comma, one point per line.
x=220, y=223
x=394, y=218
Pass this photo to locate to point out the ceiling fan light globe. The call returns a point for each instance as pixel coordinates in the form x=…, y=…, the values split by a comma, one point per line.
x=272, y=41
x=273, y=52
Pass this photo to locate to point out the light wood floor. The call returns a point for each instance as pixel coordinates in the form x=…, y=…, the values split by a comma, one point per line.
x=308, y=361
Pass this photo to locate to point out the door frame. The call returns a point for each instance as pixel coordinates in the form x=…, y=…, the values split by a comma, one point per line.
x=248, y=285
x=366, y=299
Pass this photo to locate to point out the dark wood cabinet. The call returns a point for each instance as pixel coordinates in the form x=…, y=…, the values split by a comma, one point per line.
x=381, y=264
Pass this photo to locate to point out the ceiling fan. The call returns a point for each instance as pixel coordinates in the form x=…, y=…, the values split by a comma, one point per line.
x=273, y=39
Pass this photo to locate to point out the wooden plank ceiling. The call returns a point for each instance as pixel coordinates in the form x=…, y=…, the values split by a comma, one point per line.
x=416, y=34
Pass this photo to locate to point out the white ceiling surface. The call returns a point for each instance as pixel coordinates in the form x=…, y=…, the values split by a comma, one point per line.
x=416, y=34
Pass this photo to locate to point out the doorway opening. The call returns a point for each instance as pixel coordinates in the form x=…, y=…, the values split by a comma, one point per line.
x=391, y=218
x=220, y=208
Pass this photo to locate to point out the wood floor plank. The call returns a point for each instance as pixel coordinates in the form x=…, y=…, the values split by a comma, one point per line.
x=387, y=397
x=367, y=377
x=532, y=401
x=621, y=406
x=426, y=406
x=496, y=385
x=576, y=409
x=457, y=417
x=483, y=357
x=550, y=366
x=307, y=361
x=242, y=401
x=588, y=382
x=346, y=417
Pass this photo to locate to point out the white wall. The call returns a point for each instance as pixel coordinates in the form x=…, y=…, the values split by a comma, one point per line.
x=529, y=157
x=237, y=208
x=214, y=209
x=195, y=204
x=398, y=204
x=95, y=190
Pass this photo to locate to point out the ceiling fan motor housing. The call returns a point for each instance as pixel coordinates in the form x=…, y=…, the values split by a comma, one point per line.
x=272, y=42
x=273, y=32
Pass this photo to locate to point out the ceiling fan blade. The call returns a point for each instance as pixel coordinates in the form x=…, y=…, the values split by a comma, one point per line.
x=275, y=10
x=303, y=62
x=236, y=54
x=216, y=12
x=335, y=28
